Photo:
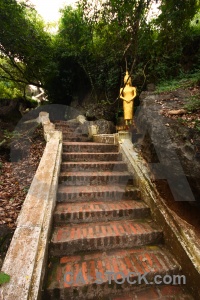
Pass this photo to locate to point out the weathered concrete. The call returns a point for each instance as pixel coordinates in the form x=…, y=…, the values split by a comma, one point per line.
x=114, y=138
x=105, y=138
x=124, y=135
x=179, y=235
x=48, y=127
x=26, y=256
x=92, y=130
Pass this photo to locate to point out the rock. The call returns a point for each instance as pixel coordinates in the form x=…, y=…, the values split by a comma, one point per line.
x=74, y=104
x=71, y=113
x=144, y=94
x=175, y=146
x=94, y=109
x=151, y=87
x=84, y=127
x=180, y=93
x=100, y=111
x=104, y=126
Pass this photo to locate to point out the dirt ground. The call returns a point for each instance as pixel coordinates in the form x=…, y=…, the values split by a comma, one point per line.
x=17, y=168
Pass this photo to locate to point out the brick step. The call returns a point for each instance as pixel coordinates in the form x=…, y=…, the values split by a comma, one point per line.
x=69, y=130
x=97, y=193
x=76, y=138
x=86, y=156
x=89, y=147
x=95, y=178
x=99, y=211
x=73, y=134
x=150, y=261
x=66, y=123
x=74, y=238
x=94, y=166
x=164, y=292
x=66, y=128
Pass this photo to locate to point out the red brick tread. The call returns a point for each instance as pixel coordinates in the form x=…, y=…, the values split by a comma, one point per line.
x=91, y=166
x=99, y=211
x=73, y=134
x=94, y=178
x=59, y=121
x=97, y=192
x=77, y=138
x=89, y=147
x=66, y=127
x=91, y=156
x=90, y=153
x=89, y=144
x=150, y=260
x=72, y=131
x=66, y=123
x=101, y=236
x=164, y=292
x=93, y=173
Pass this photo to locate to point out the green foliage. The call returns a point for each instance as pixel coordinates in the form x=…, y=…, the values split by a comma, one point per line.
x=25, y=46
x=70, y=55
x=195, y=22
x=9, y=89
x=4, y=278
x=168, y=40
x=74, y=32
x=193, y=103
x=95, y=43
x=170, y=85
x=197, y=125
x=11, y=135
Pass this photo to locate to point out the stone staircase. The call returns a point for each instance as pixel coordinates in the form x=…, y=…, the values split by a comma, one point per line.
x=101, y=225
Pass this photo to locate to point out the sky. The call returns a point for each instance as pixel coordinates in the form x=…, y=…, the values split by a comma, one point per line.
x=49, y=9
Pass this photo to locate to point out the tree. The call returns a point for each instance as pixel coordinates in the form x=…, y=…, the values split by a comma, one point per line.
x=24, y=44
x=171, y=29
x=71, y=54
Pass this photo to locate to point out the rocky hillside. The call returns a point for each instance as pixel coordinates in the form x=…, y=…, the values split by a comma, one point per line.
x=169, y=127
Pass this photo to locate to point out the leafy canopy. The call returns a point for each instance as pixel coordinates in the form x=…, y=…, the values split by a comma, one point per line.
x=24, y=44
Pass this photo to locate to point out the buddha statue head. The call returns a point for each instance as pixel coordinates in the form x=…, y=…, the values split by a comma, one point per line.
x=127, y=79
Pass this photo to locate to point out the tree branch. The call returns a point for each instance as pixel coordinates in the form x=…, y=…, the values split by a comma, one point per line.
x=21, y=81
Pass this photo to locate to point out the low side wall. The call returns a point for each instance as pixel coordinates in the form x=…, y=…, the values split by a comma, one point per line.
x=105, y=138
x=27, y=254
x=180, y=237
x=114, y=138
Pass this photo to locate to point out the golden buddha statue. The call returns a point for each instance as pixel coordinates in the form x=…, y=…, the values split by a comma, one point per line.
x=127, y=94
